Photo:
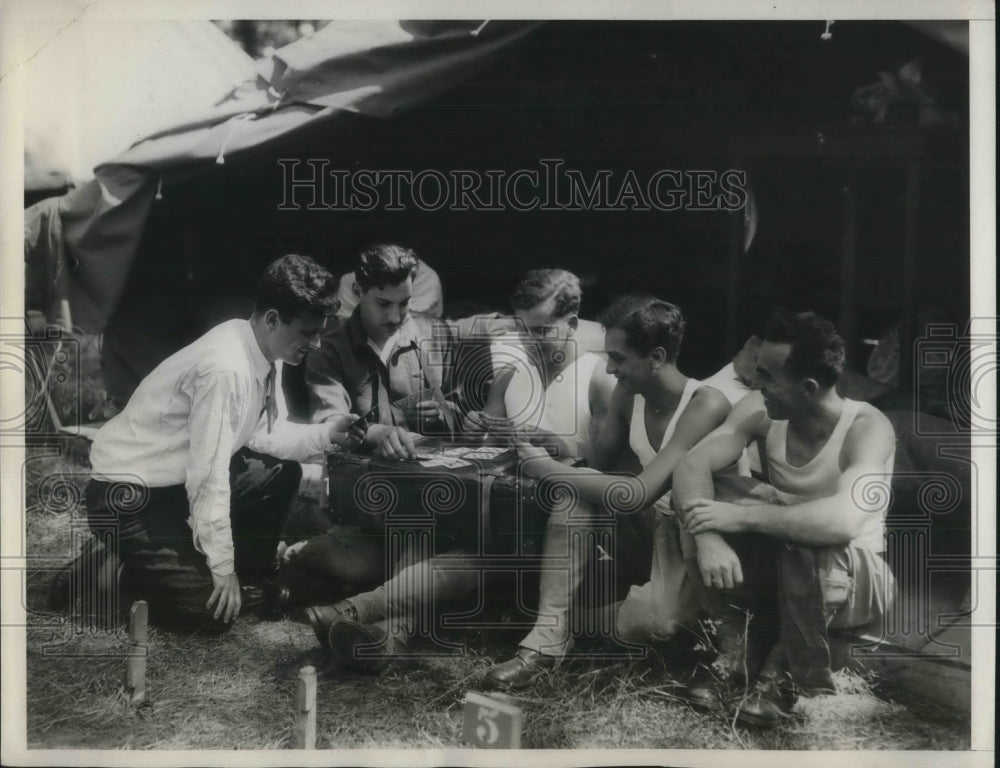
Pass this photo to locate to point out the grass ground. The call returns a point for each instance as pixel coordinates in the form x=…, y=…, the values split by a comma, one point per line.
x=237, y=691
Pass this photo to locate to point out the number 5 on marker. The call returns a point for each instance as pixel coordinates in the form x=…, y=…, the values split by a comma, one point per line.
x=491, y=723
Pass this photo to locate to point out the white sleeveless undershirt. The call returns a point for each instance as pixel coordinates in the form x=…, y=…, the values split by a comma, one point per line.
x=638, y=439
x=818, y=478
x=563, y=408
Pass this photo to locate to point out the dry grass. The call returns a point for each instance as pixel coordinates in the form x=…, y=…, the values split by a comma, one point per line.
x=236, y=691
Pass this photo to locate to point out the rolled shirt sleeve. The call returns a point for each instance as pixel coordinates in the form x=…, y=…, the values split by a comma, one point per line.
x=215, y=422
x=288, y=440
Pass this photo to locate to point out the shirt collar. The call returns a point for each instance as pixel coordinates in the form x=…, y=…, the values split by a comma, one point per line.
x=261, y=366
x=359, y=338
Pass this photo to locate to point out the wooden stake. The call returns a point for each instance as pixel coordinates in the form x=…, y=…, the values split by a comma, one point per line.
x=138, y=633
x=305, y=700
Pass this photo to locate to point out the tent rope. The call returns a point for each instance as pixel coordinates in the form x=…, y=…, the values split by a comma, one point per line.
x=236, y=122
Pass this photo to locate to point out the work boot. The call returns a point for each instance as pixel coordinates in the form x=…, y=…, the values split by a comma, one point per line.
x=769, y=704
x=521, y=671
x=322, y=617
x=365, y=647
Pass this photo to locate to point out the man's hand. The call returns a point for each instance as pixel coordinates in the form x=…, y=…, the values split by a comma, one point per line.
x=482, y=423
x=476, y=424
x=706, y=515
x=533, y=458
x=391, y=442
x=719, y=565
x=429, y=411
x=225, y=597
x=291, y=551
x=352, y=438
x=552, y=442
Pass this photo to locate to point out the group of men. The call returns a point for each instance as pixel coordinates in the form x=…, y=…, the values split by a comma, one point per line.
x=210, y=467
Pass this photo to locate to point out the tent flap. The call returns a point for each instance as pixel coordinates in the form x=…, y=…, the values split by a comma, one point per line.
x=374, y=68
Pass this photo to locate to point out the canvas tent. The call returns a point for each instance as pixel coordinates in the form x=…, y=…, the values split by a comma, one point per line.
x=373, y=69
x=92, y=89
x=95, y=87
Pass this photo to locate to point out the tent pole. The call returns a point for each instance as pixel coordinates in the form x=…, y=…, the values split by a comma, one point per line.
x=848, y=264
x=908, y=309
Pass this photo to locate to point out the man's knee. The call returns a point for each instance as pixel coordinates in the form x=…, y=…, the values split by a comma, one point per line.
x=349, y=559
x=179, y=607
x=255, y=474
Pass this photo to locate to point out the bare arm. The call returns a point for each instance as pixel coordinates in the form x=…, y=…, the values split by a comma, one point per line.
x=492, y=418
x=834, y=520
x=496, y=406
x=602, y=387
x=724, y=446
x=707, y=409
x=718, y=563
x=612, y=439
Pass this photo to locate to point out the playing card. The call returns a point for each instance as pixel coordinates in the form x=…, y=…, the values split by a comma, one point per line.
x=449, y=463
x=487, y=452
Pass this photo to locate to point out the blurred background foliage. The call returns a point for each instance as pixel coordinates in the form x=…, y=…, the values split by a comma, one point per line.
x=261, y=38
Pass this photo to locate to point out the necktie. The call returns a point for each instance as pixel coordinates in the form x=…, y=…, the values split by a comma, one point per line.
x=270, y=398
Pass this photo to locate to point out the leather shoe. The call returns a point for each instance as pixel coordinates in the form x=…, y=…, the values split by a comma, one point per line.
x=365, y=647
x=521, y=671
x=322, y=617
x=251, y=596
x=703, y=690
x=768, y=705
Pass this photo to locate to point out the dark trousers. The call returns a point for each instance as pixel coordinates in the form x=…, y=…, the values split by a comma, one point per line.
x=349, y=559
x=155, y=545
x=748, y=625
x=341, y=562
x=795, y=594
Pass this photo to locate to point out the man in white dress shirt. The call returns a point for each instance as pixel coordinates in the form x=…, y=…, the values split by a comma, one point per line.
x=187, y=471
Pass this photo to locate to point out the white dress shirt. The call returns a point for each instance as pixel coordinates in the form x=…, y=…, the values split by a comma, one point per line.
x=186, y=420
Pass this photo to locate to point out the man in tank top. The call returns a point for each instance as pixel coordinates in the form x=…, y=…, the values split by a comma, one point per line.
x=657, y=411
x=558, y=394
x=549, y=385
x=817, y=549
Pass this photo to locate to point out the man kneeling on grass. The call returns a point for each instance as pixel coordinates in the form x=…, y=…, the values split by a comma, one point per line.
x=186, y=470
x=819, y=549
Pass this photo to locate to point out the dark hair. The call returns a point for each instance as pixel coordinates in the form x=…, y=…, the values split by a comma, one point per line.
x=540, y=285
x=647, y=322
x=381, y=265
x=295, y=286
x=817, y=349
